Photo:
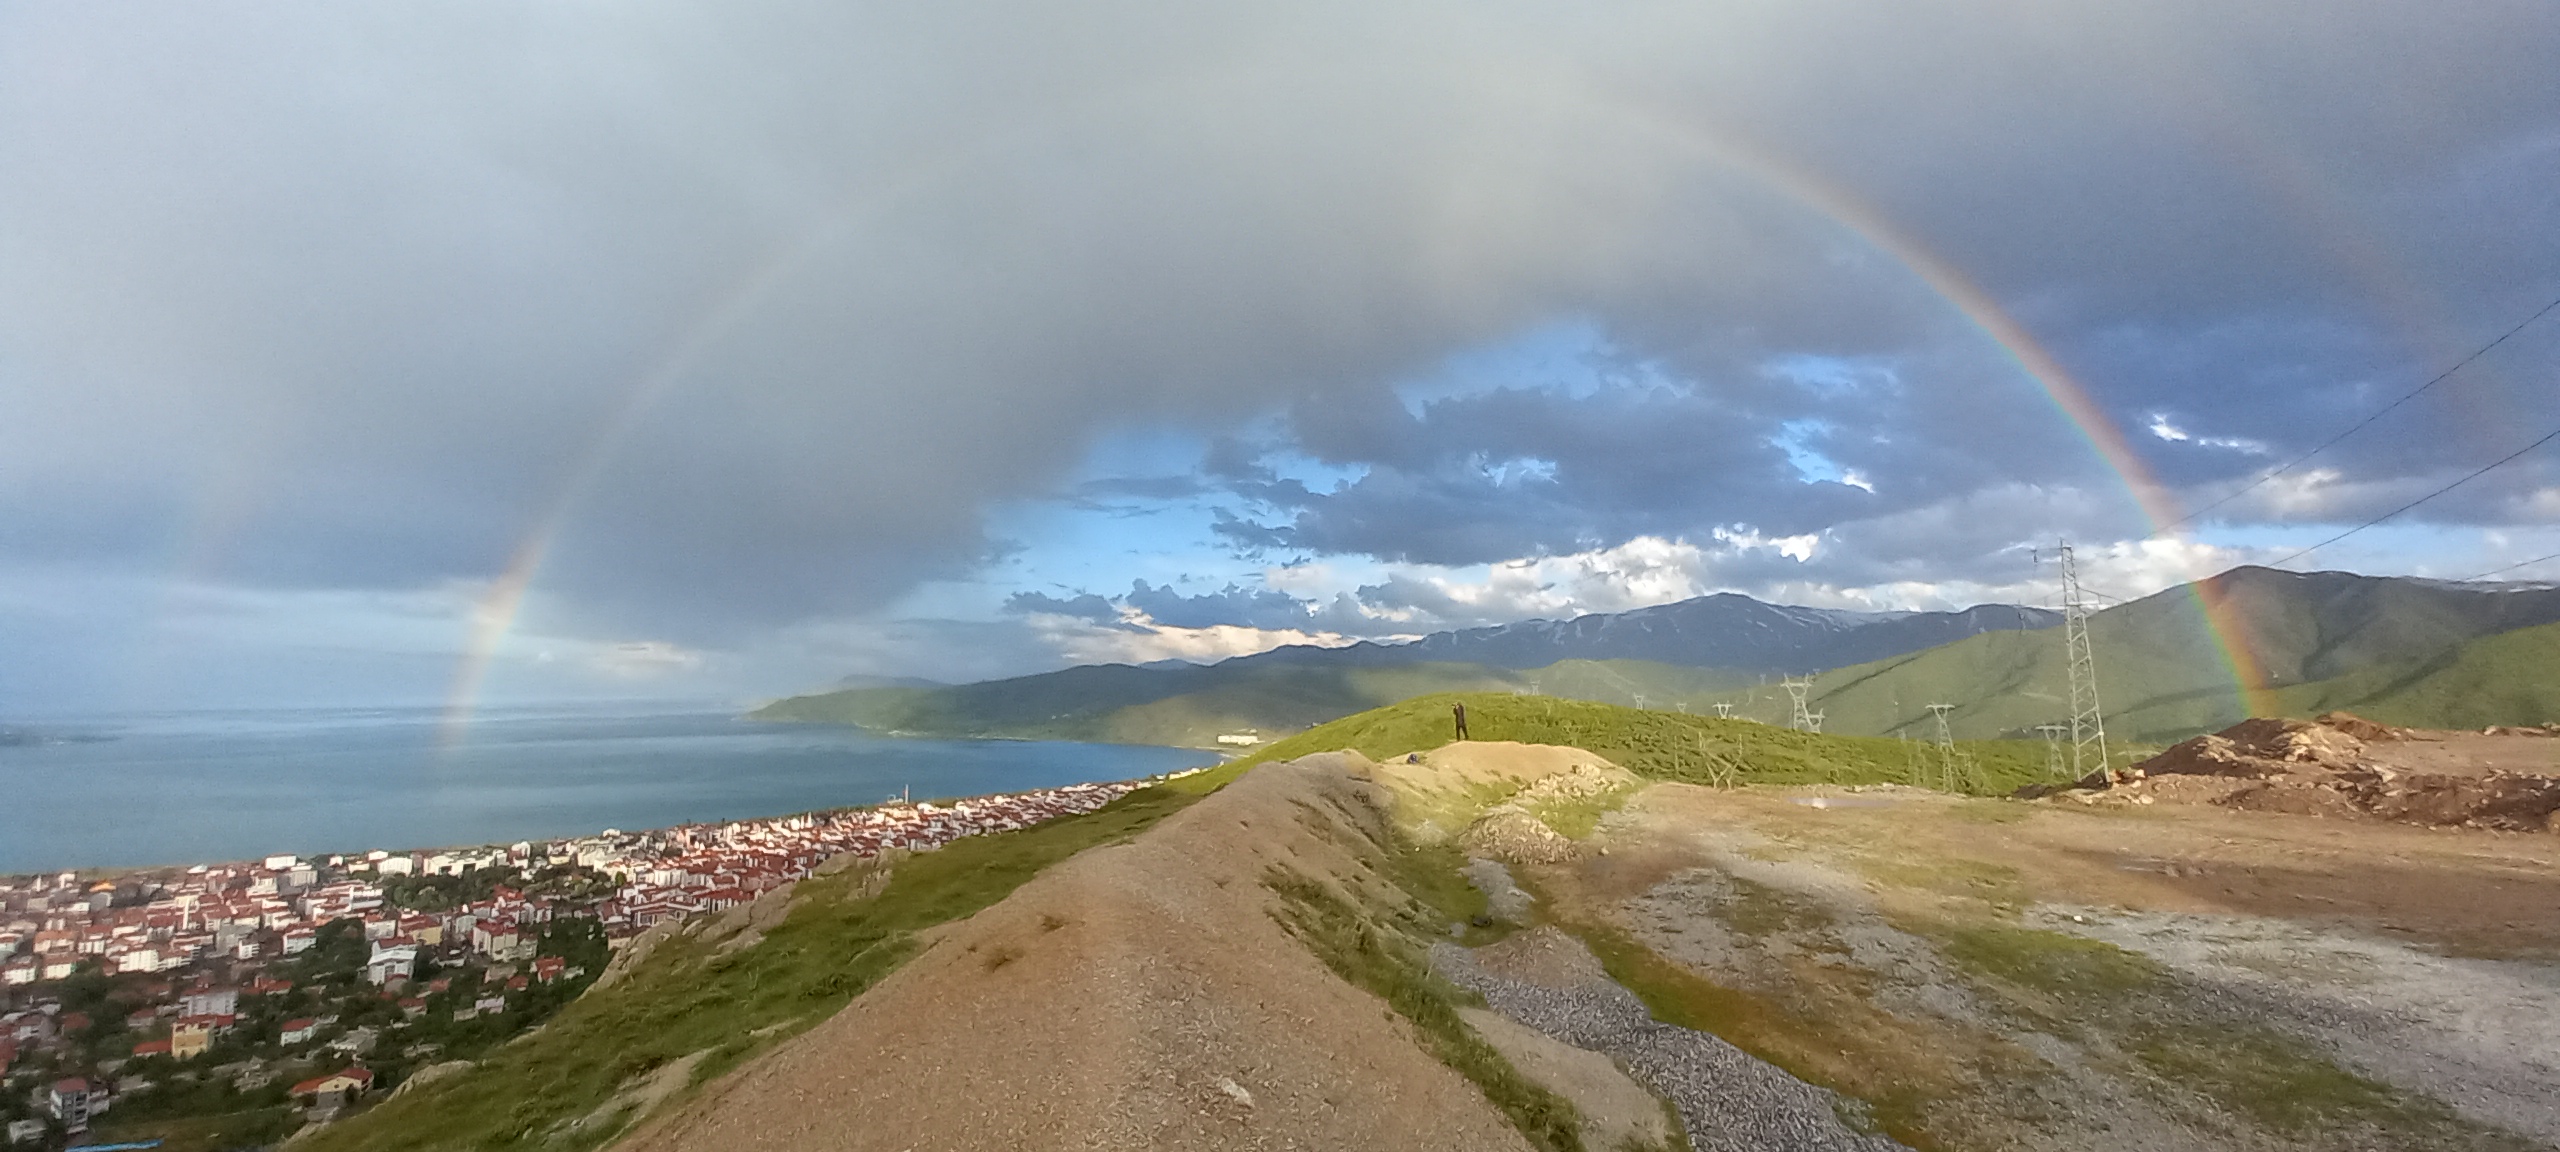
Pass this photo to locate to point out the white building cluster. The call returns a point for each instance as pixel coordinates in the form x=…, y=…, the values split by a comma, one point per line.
x=251, y=912
x=675, y=873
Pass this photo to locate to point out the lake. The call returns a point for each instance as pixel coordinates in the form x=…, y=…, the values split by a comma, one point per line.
x=190, y=788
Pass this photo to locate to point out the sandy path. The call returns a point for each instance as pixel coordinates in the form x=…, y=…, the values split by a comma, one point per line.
x=1136, y=996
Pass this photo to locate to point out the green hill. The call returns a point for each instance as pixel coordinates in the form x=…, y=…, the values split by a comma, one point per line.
x=2509, y=678
x=1663, y=745
x=1191, y=706
x=2323, y=639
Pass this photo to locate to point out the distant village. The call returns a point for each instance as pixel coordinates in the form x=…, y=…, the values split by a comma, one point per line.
x=276, y=992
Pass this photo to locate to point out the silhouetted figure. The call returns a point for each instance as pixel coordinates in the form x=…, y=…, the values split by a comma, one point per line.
x=1458, y=712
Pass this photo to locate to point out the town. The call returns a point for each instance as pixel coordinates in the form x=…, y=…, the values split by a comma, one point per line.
x=230, y=1004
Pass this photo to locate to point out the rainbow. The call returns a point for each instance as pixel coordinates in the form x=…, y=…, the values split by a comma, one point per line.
x=497, y=610
x=2104, y=436
x=495, y=613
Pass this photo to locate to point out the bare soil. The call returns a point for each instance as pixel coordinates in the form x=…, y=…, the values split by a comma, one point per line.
x=1136, y=996
x=2345, y=766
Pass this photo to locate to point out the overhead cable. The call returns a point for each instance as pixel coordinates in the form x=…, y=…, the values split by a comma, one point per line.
x=2484, y=470
x=2360, y=425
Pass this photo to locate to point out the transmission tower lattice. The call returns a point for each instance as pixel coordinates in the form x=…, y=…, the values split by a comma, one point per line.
x=2088, y=726
x=1724, y=710
x=1944, y=741
x=2053, y=764
x=1800, y=720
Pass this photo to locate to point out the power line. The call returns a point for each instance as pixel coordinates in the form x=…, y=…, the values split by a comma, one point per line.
x=2509, y=568
x=2360, y=425
x=2484, y=470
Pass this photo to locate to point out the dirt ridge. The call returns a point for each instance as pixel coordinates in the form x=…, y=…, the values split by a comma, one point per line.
x=1140, y=995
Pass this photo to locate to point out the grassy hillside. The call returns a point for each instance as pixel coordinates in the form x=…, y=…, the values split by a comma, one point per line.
x=1191, y=706
x=1663, y=745
x=2324, y=639
x=2509, y=678
x=551, y=1088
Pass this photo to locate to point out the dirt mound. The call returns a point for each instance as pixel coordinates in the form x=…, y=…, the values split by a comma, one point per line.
x=2258, y=748
x=1542, y=956
x=1506, y=764
x=1513, y=836
x=2358, y=727
x=2326, y=768
x=1136, y=996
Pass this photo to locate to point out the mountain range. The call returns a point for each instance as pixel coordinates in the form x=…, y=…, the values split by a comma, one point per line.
x=2407, y=650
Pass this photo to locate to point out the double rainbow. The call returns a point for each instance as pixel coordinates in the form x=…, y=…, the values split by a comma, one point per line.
x=495, y=614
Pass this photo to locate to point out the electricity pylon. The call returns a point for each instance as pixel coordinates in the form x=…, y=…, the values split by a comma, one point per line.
x=1946, y=744
x=1724, y=710
x=2088, y=725
x=1800, y=720
x=2053, y=765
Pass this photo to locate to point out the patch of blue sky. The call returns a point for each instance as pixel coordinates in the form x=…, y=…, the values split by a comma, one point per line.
x=2417, y=548
x=1516, y=471
x=1122, y=515
x=1811, y=465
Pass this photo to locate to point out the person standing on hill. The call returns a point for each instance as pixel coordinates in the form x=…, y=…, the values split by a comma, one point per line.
x=1458, y=712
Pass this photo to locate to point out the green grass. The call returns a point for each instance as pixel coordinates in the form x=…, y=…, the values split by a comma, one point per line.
x=2503, y=679
x=1655, y=745
x=1384, y=961
x=256, y=1128
x=1192, y=706
x=2050, y=963
x=685, y=998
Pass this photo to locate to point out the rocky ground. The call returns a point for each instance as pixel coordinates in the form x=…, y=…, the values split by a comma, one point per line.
x=1728, y=1100
x=2054, y=975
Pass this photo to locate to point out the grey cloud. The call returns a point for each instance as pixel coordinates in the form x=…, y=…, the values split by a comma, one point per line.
x=323, y=296
x=1085, y=606
x=1252, y=607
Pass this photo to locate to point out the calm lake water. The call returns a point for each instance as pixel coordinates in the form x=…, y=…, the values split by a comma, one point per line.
x=198, y=788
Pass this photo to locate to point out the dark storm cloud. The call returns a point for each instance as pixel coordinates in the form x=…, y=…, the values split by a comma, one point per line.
x=320, y=296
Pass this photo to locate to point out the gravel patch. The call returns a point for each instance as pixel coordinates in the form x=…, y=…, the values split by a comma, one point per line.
x=1730, y=1100
x=1504, y=900
x=2483, y=1036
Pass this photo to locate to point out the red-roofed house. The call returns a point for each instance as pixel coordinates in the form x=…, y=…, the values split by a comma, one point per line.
x=151, y=1048
x=336, y=1090
x=297, y=1031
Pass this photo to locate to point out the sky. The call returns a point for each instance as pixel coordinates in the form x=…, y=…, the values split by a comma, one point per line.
x=464, y=353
